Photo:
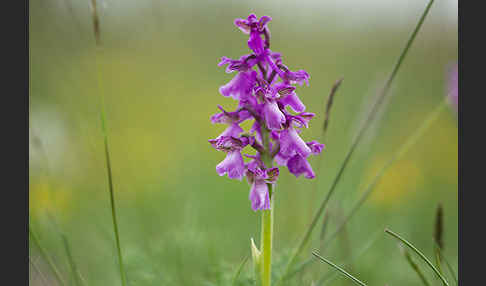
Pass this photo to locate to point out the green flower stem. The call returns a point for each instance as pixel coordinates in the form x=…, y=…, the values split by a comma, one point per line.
x=267, y=218
x=266, y=243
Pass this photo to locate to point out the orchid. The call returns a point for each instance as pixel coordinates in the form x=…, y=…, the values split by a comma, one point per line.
x=263, y=87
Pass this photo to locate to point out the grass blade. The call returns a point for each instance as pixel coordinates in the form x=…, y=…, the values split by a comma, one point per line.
x=434, y=115
x=74, y=269
x=238, y=271
x=362, y=131
x=351, y=277
x=447, y=263
x=419, y=254
x=330, y=100
x=46, y=257
x=414, y=266
x=329, y=276
x=96, y=29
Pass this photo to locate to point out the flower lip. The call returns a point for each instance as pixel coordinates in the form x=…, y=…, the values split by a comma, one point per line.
x=229, y=143
x=233, y=165
x=299, y=165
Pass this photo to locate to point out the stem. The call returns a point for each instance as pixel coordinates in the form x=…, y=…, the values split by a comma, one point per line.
x=419, y=254
x=74, y=269
x=238, y=271
x=266, y=243
x=415, y=267
x=362, y=131
x=267, y=217
x=351, y=277
x=411, y=141
x=109, y=172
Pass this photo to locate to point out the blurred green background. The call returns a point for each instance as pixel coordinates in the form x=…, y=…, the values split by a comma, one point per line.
x=182, y=224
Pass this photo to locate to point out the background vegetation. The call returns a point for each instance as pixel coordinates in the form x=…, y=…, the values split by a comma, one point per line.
x=182, y=224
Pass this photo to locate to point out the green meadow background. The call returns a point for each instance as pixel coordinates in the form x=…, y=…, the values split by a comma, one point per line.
x=179, y=222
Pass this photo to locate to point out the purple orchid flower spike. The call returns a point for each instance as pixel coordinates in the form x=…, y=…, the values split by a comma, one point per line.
x=263, y=87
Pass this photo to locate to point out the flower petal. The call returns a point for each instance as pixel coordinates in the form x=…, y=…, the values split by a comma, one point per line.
x=233, y=165
x=259, y=197
x=291, y=143
x=240, y=86
x=298, y=165
x=273, y=115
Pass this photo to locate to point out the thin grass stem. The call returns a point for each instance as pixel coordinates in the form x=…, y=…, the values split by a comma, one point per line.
x=447, y=263
x=74, y=269
x=419, y=254
x=349, y=276
x=411, y=141
x=238, y=271
x=415, y=267
x=96, y=27
x=333, y=274
x=371, y=115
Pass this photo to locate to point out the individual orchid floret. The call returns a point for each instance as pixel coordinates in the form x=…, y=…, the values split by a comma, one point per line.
x=298, y=165
x=273, y=115
x=255, y=28
x=240, y=86
x=233, y=164
x=233, y=119
x=259, y=178
x=291, y=143
x=316, y=147
x=243, y=64
x=296, y=77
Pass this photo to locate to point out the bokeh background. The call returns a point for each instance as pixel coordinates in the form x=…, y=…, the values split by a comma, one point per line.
x=182, y=224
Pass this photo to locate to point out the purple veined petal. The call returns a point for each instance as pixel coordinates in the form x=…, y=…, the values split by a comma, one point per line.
x=263, y=22
x=281, y=159
x=243, y=25
x=316, y=147
x=272, y=175
x=233, y=165
x=277, y=57
x=298, y=165
x=253, y=164
x=255, y=43
x=299, y=77
x=273, y=115
x=232, y=130
x=240, y=86
x=259, y=197
x=293, y=101
x=255, y=128
x=291, y=142
x=228, y=143
x=252, y=19
x=241, y=64
x=300, y=120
